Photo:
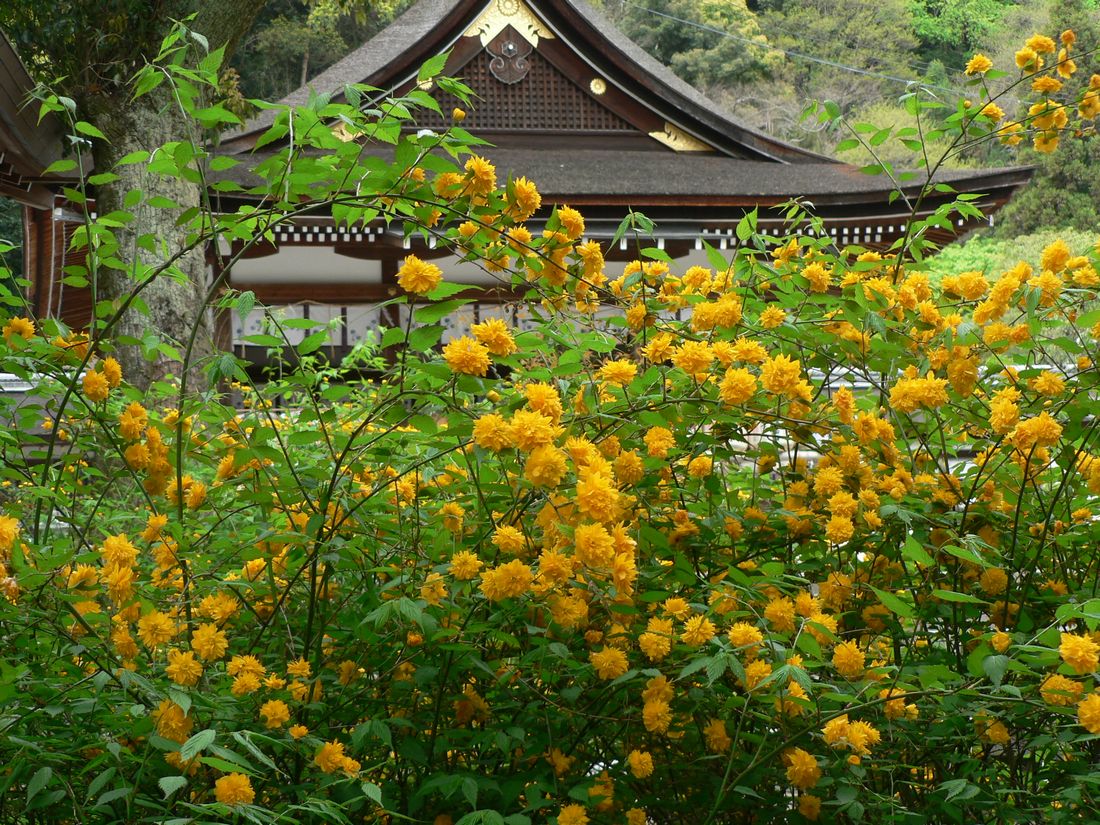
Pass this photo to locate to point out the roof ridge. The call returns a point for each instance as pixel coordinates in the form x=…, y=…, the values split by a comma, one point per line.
x=680, y=87
x=430, y=26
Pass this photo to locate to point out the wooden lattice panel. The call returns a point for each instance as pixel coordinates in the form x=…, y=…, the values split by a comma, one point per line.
x=545, y=100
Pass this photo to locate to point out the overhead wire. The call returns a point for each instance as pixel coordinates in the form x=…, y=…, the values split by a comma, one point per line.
x=793, y=52
x=911, y=63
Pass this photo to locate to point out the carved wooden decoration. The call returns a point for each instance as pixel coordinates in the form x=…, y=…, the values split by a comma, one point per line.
x=510, y=53
x=515, y=13
x=678, y=140
x=546, y=100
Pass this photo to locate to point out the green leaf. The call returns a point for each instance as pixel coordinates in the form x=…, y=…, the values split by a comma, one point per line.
x=312, y=343
x=746, y=226
x=39, y=781
x=86, y=128
x=913, y=551
x=695, y=666
x=995, y=667
x=246, y=740
x=432, y=67
x=220, y=163
x=446, y=289
x=263, y=340
x=246, y=301
x=715, y=668
x=139, y=156
x=966, y=554
x=63, y=165
x=422, y=339
x=197, y=744
x=656, y=254
x=224, y=765
x=894, y=604
x=372, y=792
x=113, y=794
x=170, y=784
x=481, y=818
x=431, y=314
x=715, y=258
x=955, y=596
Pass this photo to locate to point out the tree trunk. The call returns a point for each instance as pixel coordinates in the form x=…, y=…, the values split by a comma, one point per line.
x=175, y=307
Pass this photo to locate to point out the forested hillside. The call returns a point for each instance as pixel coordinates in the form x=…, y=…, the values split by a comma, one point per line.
x=863, y=56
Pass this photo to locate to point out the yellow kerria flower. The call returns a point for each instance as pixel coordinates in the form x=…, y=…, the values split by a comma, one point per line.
x=234, y=789
x=641, y=763
x=182, y=668
x=1080, y=652
x=156, y=628
x=802, y=768
x=620, y=372
x=572, y=815
x=506, y=581
x=330, y=758
x=209, y=642
x=978, y=64
x=19, y=327
x=1088, y=713
x=467, y=357
x=609, y=663
x=494, y=335
x=417, y=276
x=849, y=660
x=275, y=713
x=96, y=386
x=698, y=630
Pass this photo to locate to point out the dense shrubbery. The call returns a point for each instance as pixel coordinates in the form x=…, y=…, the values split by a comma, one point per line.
x=990, y=255
x=802, y=531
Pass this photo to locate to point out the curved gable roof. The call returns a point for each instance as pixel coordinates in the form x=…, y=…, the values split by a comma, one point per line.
x=391, y=59
x=27, y=146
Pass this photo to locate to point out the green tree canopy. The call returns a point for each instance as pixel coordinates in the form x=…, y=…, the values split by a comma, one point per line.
x=699, y=50
x=951, y=30
x=294, y=40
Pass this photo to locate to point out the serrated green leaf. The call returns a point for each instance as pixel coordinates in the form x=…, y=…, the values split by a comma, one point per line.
x=894, y=604
x=446, y=289
x=422, y=339
x=86, y=128
x=197, y=744
x=312, y=343
x=913, y=550
x=170, y=784
x=40, y=780
x=435, y=312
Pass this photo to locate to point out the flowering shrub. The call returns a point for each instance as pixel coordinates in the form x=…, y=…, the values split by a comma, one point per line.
x=803, y=535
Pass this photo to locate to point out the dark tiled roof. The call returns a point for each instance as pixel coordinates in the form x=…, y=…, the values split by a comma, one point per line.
x=393, y=55
x=614, y=176
x=684, y=95
x=624, y=174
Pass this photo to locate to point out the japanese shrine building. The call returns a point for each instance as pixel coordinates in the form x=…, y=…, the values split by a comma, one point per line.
x=570, y=103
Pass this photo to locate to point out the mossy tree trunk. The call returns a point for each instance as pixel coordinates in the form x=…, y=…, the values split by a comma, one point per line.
x=176, y=306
